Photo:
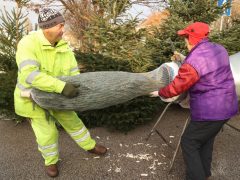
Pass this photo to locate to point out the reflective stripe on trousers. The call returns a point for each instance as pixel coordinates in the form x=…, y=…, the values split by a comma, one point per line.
x=47, y=137
x=47, y=134
x=49, y=150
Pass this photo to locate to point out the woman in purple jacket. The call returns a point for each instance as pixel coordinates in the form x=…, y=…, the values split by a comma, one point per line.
x=206, y=74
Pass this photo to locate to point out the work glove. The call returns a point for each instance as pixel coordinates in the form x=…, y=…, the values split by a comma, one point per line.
x=172, y=99
x=70, y=90
x=177, y=56
x=154, y=94
x=26, y=93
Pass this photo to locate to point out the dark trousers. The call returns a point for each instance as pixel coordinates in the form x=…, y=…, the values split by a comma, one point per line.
x=197, y=147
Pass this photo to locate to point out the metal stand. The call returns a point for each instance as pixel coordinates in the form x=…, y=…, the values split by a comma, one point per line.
x=179, y=141
x=178, y=145
x=231, y=126
x=162, y=137
x=159, y=119
x=155, y=125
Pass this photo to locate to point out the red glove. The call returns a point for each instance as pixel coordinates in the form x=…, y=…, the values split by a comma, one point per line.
x=187, y=76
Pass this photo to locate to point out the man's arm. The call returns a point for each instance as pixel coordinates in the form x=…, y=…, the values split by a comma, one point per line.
x=29, y=70
x=74, y=66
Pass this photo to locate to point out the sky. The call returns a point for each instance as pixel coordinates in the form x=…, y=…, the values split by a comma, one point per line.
x=142, y=11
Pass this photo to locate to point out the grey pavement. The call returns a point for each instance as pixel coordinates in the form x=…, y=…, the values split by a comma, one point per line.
x=129, y=156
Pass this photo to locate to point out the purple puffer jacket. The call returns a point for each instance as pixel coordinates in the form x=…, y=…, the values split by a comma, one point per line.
x=213, y=97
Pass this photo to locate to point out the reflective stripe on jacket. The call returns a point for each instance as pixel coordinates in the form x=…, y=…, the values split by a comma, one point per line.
x=38, y=66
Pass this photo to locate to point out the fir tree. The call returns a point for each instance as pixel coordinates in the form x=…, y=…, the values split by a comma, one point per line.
x=181, y=13
x=229, y=38
x=12, y=28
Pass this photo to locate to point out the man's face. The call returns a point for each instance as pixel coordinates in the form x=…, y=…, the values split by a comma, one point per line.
x=55, y=32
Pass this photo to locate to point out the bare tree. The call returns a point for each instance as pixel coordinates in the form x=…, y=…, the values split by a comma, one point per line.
x=82, y=14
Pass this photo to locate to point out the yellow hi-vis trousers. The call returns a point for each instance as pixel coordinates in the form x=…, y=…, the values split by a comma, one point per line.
x=47, y=134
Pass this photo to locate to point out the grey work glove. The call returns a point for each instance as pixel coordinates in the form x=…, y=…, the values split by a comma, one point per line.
x=70, y=90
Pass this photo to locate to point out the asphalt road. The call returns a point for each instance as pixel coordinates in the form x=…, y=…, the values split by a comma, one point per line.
x=129, y=157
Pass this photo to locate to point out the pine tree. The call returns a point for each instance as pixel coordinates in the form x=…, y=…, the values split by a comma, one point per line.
x=229, y=38
x=181, y=13
x=112, y=42
x=103, y=30
x=12, y=28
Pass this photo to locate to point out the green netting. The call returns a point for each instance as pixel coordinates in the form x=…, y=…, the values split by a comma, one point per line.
x=98, y=90
x=103, y=89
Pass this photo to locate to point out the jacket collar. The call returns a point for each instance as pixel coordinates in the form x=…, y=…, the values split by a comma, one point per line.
x=45, y=44
x=197, y=45
x=201, y=42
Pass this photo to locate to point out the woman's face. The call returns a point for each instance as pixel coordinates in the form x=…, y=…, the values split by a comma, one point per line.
x=188, y=45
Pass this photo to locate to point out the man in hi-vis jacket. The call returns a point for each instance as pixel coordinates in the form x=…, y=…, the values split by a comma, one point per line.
x=41, y=57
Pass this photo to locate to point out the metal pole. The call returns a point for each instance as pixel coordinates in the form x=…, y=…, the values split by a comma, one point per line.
x=231, y=126
x=221, y=23
x=178, y=145
x=159, y=119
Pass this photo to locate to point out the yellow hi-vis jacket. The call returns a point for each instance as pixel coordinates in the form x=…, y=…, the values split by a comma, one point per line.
x=39, y=65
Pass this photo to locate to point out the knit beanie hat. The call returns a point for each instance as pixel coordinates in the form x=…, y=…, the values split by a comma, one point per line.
x=49, y=17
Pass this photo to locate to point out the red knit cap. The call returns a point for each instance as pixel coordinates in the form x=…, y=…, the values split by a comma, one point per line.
x=195, y=32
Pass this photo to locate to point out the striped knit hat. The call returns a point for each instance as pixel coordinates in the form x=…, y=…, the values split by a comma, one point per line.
x=49, y=17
